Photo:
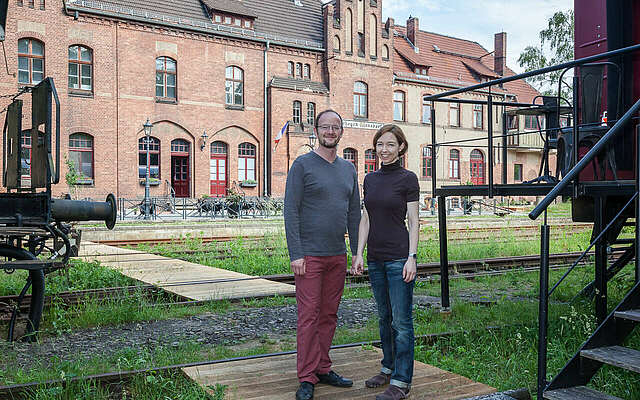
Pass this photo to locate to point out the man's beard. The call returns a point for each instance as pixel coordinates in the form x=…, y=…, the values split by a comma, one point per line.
x=324, y=143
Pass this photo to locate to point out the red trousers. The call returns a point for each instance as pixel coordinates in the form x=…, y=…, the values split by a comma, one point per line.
x=318, y=294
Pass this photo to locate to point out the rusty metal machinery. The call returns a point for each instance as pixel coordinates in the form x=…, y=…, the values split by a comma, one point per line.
x=34, y=232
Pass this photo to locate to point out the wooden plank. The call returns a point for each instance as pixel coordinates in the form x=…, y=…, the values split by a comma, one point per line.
x=274, y=378
x=577, y=393
x=633, y=315
x=188, y=280
x=618, y=356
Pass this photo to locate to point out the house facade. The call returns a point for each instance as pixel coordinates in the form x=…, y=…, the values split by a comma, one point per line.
x=220, y=79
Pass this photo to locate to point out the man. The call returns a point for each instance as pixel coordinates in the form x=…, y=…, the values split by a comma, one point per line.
x=322, y=202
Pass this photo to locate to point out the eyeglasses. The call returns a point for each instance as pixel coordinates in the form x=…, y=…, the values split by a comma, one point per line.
x=326, y=128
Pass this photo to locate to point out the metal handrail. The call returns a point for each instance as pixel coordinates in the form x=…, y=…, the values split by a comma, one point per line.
x=584, y=161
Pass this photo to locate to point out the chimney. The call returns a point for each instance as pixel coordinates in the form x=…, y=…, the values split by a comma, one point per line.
x=500, y=53
x=413, y=27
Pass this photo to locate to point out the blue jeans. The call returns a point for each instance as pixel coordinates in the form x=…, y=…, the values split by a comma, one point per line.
x=394, y=298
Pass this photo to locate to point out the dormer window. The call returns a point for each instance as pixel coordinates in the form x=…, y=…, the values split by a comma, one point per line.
x=233, y=13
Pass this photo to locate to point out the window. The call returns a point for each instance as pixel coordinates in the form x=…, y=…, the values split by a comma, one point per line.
x=454, y=164
x=477, y=116
x=80, y=68
x=246, y=162
x=351, y=155
x=360, y=15
x=247, y=24
x=227, y=20
x=180, y=146
x=233, y=86
x=517, y=172
x=25, y=169
x=238, y=22
x=512, y=122
x=81, y=155
x=297, y=112
x=336, y=43
x=218, y=19
x=427, y=170
x=531, y=122
x=398, y=106
x=426, y=111
x=370, y=161
x=290, y=68
x=385, y=52
x=311, y=113
x=306, y=71
x=373, y=36
x=454, y=114
x=348, y=42
x=166, y=78
x=360, y=99
x=298, y=70
x=154, y=157
x=30, y=61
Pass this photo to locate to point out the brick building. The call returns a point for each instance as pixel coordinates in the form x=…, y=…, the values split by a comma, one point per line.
x=219, y=79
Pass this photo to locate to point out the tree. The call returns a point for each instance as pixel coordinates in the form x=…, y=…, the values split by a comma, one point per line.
x=556, y=47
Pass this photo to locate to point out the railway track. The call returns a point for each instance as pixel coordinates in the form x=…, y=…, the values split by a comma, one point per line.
x=453, y=234
x=457, y=269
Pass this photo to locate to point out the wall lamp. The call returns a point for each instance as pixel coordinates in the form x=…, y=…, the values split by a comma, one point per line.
x=204, y=138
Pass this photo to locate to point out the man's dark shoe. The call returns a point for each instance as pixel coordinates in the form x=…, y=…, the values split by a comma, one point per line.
x=305, y=391
x=334, y=379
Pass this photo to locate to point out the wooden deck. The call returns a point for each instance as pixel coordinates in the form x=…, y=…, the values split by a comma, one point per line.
x=189, y=280
x=274, y=378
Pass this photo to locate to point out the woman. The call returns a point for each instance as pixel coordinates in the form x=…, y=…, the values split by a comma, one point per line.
x=391, y=194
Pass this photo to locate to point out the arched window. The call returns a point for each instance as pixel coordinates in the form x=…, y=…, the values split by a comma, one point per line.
x=360, y=99
x=454, y=164
x=398, y=106
x=351, y=155
x=166, y=78
x=154, y=157
x=370, y=161
x=373, y=35
x=246, y=162
x=476, y=164
x=348, y=40
x=385, y=52
x=234, y=87
x=298, y=70
x=426, y=110
x=297, y=112
x=290, y=68
x=306, y=71
x=454, y=114
x=336, y=43
x=180, y=146
x=361, y=16
x=311, y=113
x=427, y=169
x=81, y=155
x=80, y=68
x=30, y=61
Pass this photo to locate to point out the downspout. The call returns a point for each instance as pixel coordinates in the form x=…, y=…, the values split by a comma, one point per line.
x=117, y=50
x=265, y=143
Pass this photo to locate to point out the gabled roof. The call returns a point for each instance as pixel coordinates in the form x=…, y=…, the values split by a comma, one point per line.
x=229, y=6
x=277, y=20
x=452, y=62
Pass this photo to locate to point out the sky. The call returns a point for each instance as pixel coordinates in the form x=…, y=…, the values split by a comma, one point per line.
x=479, y=20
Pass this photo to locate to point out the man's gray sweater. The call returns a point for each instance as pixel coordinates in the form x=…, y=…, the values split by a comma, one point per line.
x=321, y=203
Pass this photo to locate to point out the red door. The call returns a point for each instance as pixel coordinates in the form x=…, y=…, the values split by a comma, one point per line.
x=180, y=175
x=218, y=169
x=477, y=167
